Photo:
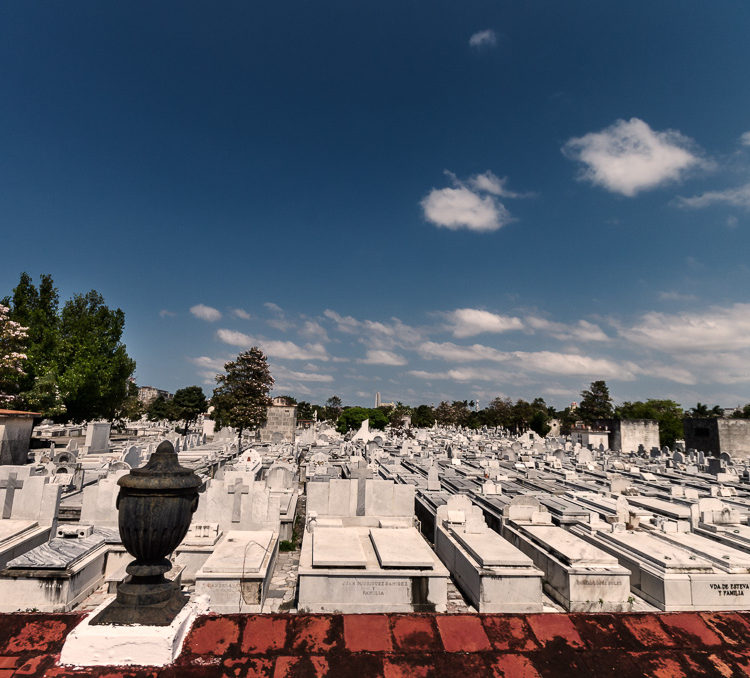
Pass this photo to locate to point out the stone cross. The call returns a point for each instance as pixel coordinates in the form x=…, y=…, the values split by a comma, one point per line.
x=238, y=489
x=10, y=486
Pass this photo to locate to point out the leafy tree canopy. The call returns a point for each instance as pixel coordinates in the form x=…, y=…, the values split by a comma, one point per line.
x=161, y=409
x=742, y=413
x=423, y=417
x=352, y=418
x=188, y=403
x=333, y=408
x=241, y=397
x=596, y=402
x=703, y=411
x=77, y=368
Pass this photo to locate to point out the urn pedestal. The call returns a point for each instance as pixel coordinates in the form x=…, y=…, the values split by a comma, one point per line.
x=155, y=504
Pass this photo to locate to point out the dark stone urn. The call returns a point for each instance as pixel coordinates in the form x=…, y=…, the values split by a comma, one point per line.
x=156, y=503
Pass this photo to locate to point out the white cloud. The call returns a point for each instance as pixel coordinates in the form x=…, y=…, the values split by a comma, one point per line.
x=583, y=330
x=669, y=372
x=376, y=334
x=207, y=313
x=460, y=207
x=240, y=313
x=486, y=38
x=164, y=313
x=676, y=296
x=280, y=320
x=345, y=324
x=745, y=139
x=547, y=362
x=235, y=338
x=488, y=182
x=280, y=372
x=297, y=389
x=451, y=352
x=466, y=322
x=461, y=374
x=573, y=364
x=274, y=349
x=314, y=330
x=736, y=197
x=629, y=157
x=718, y=329
x=379, y=357
x=208, y=363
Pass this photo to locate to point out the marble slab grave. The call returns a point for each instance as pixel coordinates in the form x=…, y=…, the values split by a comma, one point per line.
x=404, y=548
x=337, y=547
x=61, y=553
x=491, y=550
x=240, y=552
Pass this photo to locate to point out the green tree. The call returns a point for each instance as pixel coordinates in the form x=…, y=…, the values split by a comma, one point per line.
x=396, y=415
x=668, y=413
x=596, y=402
x=242, y=397
x=304, y=410
x=76, y=366
x=161, y=409
x=132, y=408
x=742, y=413
x=93, y=365
x=703, y=411
x=567, y=418
x=352, y=418
x=499, y=412
x=538, y=423
x=423, y=417
x=333, y=408
x=188, y=403
x=444, y=414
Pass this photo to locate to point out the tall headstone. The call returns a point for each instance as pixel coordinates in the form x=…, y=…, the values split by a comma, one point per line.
x=97, y=437
x=15, y=436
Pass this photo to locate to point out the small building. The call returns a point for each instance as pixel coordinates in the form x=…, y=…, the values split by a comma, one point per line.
x=625, y=435
x=147, y=394
x=715, y=435
x=15, y=436
x=281, y=422
x=587, y=436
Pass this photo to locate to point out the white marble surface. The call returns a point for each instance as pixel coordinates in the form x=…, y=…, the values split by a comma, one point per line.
x=337, y=547
x=403, y=548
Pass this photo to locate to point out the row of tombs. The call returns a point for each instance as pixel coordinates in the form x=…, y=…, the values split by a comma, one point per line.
x=390, y=543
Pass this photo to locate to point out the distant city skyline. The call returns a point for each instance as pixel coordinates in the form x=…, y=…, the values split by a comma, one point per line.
x=436, y=201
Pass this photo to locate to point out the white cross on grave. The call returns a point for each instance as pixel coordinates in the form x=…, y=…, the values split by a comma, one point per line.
x=10, y=486
x=238, y=489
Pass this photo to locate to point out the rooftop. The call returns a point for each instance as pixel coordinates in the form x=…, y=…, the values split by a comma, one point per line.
x=393, y=645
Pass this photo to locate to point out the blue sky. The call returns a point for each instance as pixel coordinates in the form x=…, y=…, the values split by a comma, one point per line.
x=434, y=200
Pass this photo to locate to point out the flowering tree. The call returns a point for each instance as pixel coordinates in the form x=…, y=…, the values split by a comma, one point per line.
x=12, y=345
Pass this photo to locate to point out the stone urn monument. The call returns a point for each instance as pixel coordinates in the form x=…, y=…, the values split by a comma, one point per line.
x=155, y=504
